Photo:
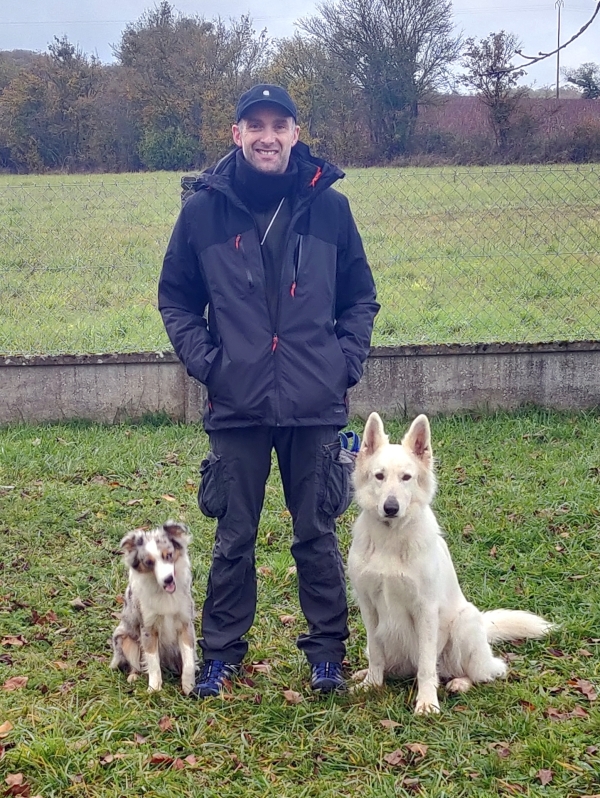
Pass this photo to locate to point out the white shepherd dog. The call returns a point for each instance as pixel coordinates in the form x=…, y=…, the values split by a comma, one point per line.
x=417, y=619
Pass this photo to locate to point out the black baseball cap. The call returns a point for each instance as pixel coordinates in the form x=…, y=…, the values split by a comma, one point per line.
x=265, y=93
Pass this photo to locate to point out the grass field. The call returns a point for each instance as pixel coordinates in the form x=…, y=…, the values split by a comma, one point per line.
x=459, y=255
x=518, y=499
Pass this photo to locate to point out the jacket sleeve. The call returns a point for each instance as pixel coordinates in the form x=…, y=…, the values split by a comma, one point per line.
x=356, y=305
x=182, y=300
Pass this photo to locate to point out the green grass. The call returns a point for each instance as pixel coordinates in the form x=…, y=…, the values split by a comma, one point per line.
x=459, y=255
x=518, y=499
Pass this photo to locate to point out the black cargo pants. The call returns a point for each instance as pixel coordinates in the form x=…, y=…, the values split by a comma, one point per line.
x=316, y=486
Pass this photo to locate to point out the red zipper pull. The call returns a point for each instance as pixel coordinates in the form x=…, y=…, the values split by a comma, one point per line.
x=238, y=238
x=275, y=342
x=293, y=289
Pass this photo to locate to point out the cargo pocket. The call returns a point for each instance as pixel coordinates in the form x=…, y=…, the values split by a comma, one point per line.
x=336, y=488
x=212, y=494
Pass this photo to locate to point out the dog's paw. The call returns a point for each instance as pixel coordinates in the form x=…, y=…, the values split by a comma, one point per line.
x=359, y=676
x=459, y=685
x=187, y=687
x=133, y=676
x=155, y=686
x=427, y=707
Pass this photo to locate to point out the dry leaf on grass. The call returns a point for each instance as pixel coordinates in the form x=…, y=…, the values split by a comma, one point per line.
x=14, y=640
x=292, y=697
x=389, y=724
x=396, y=758
x=545, y=777
x=287, y=620
x=15, y=683
x=165, y=723
x=5, y=729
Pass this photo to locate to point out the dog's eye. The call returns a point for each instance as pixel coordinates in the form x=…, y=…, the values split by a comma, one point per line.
x=168, y=556
x=406, y=477
x=379, y=475
x=149, y=563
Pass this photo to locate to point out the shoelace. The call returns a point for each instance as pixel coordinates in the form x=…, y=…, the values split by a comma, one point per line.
x=214, y=671
x=328, y=670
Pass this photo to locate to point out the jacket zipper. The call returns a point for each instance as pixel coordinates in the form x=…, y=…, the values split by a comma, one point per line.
x=239, y=245
x=297, y=258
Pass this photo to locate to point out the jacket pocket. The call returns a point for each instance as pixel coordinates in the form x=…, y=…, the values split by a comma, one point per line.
x=212, y=494
x=336, y=488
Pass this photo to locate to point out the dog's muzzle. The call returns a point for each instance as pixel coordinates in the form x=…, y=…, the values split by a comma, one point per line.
x=169, y=584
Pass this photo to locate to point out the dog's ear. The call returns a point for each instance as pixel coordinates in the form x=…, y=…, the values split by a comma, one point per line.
x=178, y=534
x=374, y=435
x=131, y=541
x=418, y=439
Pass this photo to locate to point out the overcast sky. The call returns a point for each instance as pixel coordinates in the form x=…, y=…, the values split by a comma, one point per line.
x=95, y=25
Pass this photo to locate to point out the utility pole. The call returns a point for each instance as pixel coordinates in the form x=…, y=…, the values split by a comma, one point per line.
x=558, y=5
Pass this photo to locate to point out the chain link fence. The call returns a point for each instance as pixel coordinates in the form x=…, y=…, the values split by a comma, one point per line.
x=460, y=255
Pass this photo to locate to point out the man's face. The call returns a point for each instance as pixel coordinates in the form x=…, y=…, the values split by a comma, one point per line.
x=266, y=136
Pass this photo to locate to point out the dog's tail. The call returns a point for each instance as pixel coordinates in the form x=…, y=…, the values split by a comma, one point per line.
x=514, y=625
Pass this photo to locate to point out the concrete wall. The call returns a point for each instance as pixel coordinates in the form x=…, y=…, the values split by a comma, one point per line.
x=398, y=381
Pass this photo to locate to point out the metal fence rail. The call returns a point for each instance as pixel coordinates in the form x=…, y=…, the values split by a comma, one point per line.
x=460, y=255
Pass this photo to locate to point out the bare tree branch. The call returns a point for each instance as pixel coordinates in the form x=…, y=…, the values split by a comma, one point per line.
x=531, y=59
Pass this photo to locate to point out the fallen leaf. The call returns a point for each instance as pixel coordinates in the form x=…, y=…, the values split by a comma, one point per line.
x=178, y=764
x=14, y=640
x=62, y=666
x=555, y=652
x=591, y=749
x=395, y=758
x=107, y=759
x=418, y=749
x=291, y=571
x=165, y=723
x=15, y=683
x=258, y=667
x=78, y=604
x=131, y=502
x=17, y=785
x=389, y=724
x=292, y=697
x=287, y=620
x=159, y=758
x=513, y=789
x=167, y=497
x=587, y=689
x=264, y=570
x=138, y=739
x=494, y=551
x=583, y=652
x=545, y=777
x=527, y=705
x=5, y=729
x=49, y=617
x=191, y=759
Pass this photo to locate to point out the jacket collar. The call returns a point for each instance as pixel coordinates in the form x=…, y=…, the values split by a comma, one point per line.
x=314, y=174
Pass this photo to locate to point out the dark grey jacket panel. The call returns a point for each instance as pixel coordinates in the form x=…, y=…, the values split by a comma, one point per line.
x=297, y=371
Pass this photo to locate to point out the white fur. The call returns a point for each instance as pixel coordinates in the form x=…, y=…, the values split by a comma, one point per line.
x=157, y=622
x=417, y=619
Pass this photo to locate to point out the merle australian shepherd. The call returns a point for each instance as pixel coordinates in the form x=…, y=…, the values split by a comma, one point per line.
x=157, y=621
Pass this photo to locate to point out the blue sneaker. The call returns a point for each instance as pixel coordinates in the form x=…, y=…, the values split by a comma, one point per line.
x=215, y=677
x=326, y=677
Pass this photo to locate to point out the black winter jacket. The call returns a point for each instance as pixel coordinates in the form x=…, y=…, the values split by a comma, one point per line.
x=292, y=373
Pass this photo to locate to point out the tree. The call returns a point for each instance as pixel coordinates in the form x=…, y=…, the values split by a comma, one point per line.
x=49, y=109
x=587, y=78
x=185, y=73
x=397, y=52
x=489, y=71
x=331, y=111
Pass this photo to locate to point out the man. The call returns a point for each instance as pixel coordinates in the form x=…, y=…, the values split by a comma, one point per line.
x=272, y=253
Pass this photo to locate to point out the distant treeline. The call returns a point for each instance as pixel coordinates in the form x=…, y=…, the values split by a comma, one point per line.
x=168, y=101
